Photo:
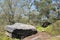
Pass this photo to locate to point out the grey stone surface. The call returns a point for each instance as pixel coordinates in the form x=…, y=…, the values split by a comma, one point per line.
x=10, y=28
x=19, y=30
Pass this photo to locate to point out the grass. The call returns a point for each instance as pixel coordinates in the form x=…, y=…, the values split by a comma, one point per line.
x=2, y=33
x=54, y=38
x=53, y=29
x=39, y=28
x=49, y=30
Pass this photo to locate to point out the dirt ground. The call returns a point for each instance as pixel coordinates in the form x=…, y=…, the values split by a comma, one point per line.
x=39, y=36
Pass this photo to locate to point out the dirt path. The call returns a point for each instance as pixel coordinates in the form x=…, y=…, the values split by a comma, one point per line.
x=38, y=36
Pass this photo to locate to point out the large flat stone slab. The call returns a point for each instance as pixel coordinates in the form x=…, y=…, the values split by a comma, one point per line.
x=19, y=30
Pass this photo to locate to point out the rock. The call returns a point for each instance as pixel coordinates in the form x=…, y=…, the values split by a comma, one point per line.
x=9, y=34
x=45, y=24
x=20, y=34
x=10, y=28
x=19, y=30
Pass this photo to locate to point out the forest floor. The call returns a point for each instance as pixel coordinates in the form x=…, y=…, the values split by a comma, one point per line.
x=43, y=34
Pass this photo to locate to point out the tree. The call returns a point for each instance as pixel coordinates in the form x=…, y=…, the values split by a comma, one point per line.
x=9, y=11
x=14, y=10
x=47, y=10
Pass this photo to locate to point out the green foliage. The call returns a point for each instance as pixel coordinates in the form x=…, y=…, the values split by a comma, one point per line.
x=34, y=17
x=5, y=38
x=44, y=7
x=2, y=33
x=39, y=28
x=53, y=29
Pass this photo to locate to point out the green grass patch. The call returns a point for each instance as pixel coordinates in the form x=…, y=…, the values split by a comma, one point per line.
x=47, y=29
x=39, y=28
